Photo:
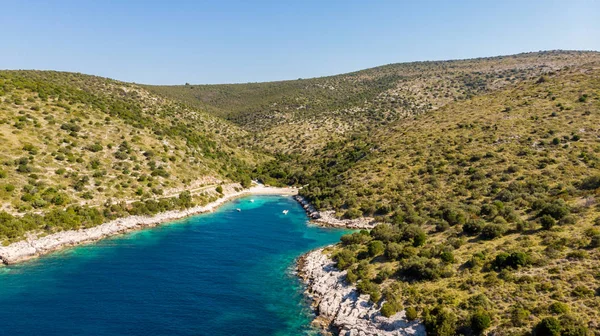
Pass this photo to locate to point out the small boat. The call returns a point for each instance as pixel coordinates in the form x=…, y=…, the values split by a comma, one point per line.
x=285, y=212
x=238, y=210
x=251, y=201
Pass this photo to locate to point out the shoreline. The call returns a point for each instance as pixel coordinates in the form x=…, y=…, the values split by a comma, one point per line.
x=328, y=219
x=33, y=246
x=339, y=308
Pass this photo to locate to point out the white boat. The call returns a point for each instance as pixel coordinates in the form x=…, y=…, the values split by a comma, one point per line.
x=238, y=209
x=251, y=201
x=285, y=212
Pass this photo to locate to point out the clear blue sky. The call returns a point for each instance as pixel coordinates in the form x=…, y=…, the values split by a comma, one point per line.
x=173, y=42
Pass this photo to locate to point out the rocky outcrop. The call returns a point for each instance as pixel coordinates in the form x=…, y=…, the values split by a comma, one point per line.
x=34, y=246
x=339, y=306
x=328, y=218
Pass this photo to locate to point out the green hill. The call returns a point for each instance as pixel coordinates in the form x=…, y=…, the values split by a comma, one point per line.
x=301, y=115
x=489, y=204
x=72, y=139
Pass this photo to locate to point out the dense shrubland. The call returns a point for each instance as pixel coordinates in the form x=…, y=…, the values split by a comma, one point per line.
x=487, y=222
x=71, y=139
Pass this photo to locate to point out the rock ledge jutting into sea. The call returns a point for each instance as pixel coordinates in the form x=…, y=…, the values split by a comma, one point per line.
x=339, y=306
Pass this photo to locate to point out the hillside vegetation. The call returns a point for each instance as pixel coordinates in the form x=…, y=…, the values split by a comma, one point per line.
x=302, y=115
x=73, y=140
x=489, y=208
x=484, y=174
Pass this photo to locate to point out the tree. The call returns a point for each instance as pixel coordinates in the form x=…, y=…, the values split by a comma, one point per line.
x=219, y=189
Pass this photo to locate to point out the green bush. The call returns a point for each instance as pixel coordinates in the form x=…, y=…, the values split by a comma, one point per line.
x=549, y=326
x=519, y=316
x=344, y=259
x=390, y=308
x=473, y=227
x=440, y=322
x=411, y=313
x=447, y=257
x=558, y=308
x=513, y=260
x=480, y=321
x=590, y=183
x=376, y=248
x=547, y=222
x=219, y=189
x=491, y=231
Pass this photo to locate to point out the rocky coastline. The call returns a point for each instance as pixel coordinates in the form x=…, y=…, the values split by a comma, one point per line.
x=34, y=246
x=340, y=309
x=328, y=218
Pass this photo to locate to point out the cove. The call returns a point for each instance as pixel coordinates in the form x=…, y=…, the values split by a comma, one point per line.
x=224, y=273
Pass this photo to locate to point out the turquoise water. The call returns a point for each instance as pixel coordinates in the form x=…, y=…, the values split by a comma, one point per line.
x=224, y=273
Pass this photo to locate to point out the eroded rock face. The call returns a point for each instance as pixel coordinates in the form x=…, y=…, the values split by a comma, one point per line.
x=327, y=218
x=341, y=306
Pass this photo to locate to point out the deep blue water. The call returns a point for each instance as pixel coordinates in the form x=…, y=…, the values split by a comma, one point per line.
x=224, y=273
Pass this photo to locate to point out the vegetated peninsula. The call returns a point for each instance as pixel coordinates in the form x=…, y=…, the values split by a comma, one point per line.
x=480, y=177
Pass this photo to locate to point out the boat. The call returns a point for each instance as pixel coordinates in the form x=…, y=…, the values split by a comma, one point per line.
x=285, y=212
x=238, y=210
x=251, y=201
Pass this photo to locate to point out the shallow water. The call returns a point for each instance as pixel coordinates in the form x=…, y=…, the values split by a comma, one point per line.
x=223, y=273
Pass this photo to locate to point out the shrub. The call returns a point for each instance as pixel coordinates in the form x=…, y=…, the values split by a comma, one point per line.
x=590, y=183
x=582, y=291
x=376, y=248
x=353, y=213
x=393, y=250
x=344, y=258
x=411, y=313
x=367, y=287
x=447, y=257
x=390, y=308
x=549, y=326
x=595, y=241
x=577, y=255
x=558, y=308
x=519, y=316
x=422, y=269
x=572, y=326
x=355, y=238
x=440, y=322
x=219, y=189
x=473, y=227
x=547, y=222
x=556, y=209
x=3, y=174
x=513, y=260
x=491, y=231
x=480, y=321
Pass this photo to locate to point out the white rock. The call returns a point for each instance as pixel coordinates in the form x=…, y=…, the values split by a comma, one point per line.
x=340, y=303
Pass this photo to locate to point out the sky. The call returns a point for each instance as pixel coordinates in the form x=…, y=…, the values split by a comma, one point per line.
x=207, y=42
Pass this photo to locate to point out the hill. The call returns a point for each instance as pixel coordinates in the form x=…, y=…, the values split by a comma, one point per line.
x=301, y=115
x=489, y=207
x=70, y=139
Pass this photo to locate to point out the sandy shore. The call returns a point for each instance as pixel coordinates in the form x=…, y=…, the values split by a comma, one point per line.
x=35, y=246
x=340, y=309
x=327, y=218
